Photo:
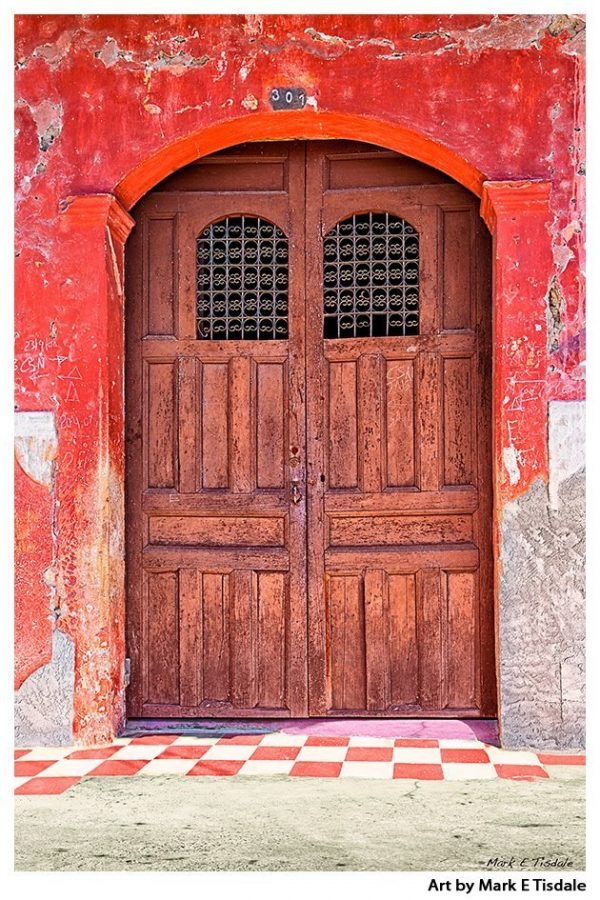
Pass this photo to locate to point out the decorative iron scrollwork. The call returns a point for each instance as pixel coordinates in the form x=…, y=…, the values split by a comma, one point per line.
x=242, y=280
x=371, y=277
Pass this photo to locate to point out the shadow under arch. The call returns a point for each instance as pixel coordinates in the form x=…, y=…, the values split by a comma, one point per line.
x=295, y=125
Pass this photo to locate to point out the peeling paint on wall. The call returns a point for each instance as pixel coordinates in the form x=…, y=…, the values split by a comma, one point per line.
x=36, y=445
x=566, y=442
x=542, y=619
x=556, y=308
x=44, y=702
x=511, y=464
x=111, y=53
x=36, y=448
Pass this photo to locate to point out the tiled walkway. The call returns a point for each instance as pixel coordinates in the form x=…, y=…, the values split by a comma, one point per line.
x=48, y=770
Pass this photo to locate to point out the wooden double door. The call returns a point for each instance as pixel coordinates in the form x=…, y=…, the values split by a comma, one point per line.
x=308, y=439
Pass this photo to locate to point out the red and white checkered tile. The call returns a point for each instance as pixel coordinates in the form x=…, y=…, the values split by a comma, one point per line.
x=53, y=770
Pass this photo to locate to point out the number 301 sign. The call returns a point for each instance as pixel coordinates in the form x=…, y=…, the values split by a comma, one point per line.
x=288, y=98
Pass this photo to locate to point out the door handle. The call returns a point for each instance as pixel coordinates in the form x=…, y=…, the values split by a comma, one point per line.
x=296, y=493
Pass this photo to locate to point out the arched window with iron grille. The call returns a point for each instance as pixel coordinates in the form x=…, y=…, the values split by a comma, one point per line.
x=242, y=280
x=371, y=277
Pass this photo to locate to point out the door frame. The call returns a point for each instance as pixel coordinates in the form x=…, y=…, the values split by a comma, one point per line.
x=516, y=213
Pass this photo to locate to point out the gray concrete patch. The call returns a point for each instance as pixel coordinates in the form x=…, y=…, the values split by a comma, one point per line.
x=542, y=618
x=44, y=702
x=278, y=824
x=566, y=444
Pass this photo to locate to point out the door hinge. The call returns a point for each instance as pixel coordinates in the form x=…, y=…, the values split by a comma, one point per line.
x=127, y=672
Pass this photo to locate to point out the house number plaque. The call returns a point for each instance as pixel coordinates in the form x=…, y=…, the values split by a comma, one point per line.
x=288, y=98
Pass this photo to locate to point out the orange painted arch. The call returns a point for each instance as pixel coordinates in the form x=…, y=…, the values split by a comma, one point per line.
x=294, y=125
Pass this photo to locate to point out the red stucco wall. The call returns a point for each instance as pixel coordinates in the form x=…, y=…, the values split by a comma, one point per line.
x=98, y=95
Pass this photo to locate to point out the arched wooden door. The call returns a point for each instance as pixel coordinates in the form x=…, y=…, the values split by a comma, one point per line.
x=308, y=439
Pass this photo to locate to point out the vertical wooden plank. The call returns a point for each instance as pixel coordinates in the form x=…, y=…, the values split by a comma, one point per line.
x=343, y=438
x=354, y=644
x=486, y=660
x=295, y=400
x=162, y=645
x=457, y=312
x=185, y=272
x=370, y=406
x=241, y=448
x=161, y=425
x=244, y=625
x=215, y=429
x=270, y=426
x=403, y=641
x=460, y=590
x=400, y=423
x=136, y=469
x=317, y=439
x=271, y=640
x=429, y=221
x=377, y=650
x=216, y=633
x=347, y=643
x=189, y=414
x=429, y=628
x=459, y=463
x=428, y=402
x=335, y=595
x=160, y=272
x=190, y=637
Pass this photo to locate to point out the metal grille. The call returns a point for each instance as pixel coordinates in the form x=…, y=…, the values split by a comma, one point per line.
x=371, y=277
x=242, y=281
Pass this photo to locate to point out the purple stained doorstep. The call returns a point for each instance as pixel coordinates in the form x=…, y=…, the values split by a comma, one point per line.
x=485, y=730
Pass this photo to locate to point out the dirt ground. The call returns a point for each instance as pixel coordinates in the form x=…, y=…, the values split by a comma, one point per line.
x=278, y=824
